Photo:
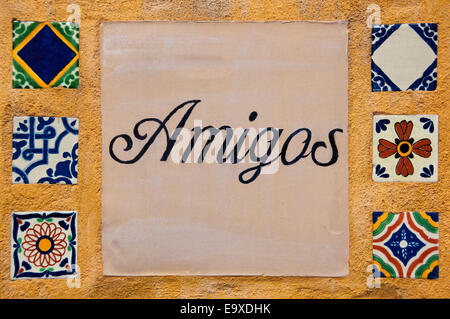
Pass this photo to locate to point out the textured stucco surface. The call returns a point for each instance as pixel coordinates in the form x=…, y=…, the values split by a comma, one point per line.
x=364, y=194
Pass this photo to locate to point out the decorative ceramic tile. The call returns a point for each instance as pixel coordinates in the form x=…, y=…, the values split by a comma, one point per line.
x=405, y=148
x=45, y=54
x=404, y=57
x=43, y=245
x=45, y=150
x=406, y=245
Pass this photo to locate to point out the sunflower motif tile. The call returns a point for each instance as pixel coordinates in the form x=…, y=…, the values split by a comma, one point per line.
x=45, y=54
x=406, y=245
x=404, y=57
x=45, y=150
x=43, y=245
x=405, y=148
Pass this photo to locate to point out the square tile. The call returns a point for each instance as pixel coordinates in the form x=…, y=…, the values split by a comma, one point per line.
x=43, y=245
x=406, y=245
x=404, y=57
x=45, y=54
x=45, y=150
x=405, y=148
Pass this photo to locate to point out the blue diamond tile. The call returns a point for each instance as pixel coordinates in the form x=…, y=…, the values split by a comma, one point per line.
x=46, y=54
x=404, y=244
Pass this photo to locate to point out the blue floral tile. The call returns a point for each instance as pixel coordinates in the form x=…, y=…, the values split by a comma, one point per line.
x=45, y=150
x=406, y=245
x=405, y=148
x=404, y=57
x=45, y=54
x=43, y=245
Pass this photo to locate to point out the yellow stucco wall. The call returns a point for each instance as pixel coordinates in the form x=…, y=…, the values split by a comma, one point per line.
x=84, y=103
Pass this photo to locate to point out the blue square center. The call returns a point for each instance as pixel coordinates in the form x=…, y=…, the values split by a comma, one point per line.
x=46, y=54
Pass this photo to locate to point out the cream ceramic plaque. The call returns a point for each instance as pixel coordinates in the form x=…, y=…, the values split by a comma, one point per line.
x=224, y=148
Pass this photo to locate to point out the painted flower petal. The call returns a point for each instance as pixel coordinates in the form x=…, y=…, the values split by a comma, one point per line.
x=30, y=252
x=60, y=237
x=377, y=128
x=57, y=258
x=45, y=229
x=29, y=245
x=35, y=259
x=386, y=148
x=30, y=237
x=409, y=166
x=404, y=167
x=59, y=251
x=422, y=148
x=377, y=169
x=52, y=229
x=60, y=244
x=52, y=259
x=399, y=167
x=36, y=231
x=44, y=260
x=403, y=129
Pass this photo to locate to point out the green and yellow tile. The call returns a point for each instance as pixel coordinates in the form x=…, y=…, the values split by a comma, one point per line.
x=45, y=54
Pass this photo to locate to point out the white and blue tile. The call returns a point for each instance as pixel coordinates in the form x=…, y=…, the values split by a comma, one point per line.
x=43, y=245
x=45, y=150
x=404, y=57
x=405, y=148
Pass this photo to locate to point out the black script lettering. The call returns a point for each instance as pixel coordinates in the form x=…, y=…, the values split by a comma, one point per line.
x=248, y=175
x=304, y=149
x=162, y=126
x=335, y=152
